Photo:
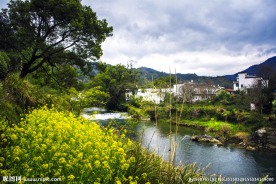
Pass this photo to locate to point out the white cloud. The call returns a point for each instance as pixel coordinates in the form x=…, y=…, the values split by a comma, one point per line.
x=202, y=37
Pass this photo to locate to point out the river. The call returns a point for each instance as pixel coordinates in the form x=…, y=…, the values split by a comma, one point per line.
x=225, y=160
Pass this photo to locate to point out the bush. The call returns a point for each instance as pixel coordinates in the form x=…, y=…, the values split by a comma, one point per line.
x=19, y=90
x=95, y=97
x=135, y=112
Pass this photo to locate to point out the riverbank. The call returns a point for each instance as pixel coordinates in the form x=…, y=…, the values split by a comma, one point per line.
x=155, y=138
x=263, y=139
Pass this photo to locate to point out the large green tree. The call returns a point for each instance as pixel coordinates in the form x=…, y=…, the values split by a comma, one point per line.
x=34, y=32
x=115, y=80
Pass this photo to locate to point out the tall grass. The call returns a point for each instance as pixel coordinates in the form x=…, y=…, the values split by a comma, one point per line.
x=157, y=170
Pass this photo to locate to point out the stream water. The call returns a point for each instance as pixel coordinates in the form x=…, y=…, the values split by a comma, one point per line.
x=228, y=161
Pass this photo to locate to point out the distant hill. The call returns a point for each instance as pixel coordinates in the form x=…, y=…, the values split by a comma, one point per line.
x=149, y=74
x=264, y=69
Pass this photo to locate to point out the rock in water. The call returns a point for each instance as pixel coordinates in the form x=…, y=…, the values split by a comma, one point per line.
x=205, y=139
x=265, y=138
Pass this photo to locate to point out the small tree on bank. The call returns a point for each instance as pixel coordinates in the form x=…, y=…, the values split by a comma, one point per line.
x=261, y=95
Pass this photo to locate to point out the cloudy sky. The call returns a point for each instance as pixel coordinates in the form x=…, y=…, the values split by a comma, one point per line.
x=214, y=37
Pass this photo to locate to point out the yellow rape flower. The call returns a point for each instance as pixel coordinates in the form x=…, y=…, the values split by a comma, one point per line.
x=73, y=145
x=62, y=160
x=71, y=177
x=97, y=163
x=144, y=175
x=14, y=137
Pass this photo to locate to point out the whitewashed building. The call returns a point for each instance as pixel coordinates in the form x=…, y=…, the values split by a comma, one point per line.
x=150, y=94
x=190, y=92
x=193, y=92
x=245, y=81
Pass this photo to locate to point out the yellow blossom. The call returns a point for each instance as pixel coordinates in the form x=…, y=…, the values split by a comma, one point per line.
x=47, y=141
x=71, y=177
x=14, y=137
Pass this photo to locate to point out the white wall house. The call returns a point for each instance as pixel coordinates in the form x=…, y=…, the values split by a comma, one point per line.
x=245, y=81
x=150, y=94
x=196, y=92
x=190, y=92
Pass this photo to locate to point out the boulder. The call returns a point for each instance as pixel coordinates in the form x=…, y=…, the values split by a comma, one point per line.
x=205, y=139
x=264, y=139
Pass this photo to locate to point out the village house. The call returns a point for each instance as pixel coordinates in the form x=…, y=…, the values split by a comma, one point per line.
x=245, y=81
x=193, y=92
x=190, y=92
x=150, y=94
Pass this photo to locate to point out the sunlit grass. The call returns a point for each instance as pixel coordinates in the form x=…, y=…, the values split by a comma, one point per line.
x=216, y=126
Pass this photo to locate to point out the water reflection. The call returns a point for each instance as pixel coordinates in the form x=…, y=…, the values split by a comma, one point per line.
x=228, y=161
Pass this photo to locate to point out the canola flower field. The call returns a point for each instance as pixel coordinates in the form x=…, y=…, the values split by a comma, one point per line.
x=52, y=144
x=48, y=143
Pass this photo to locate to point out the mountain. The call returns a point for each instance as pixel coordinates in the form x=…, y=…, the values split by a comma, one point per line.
x=151, y=74
x=264, y=69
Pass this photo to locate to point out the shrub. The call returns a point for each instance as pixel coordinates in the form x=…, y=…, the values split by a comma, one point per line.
x=241, y=135
x=225, y=129
x=95, y=97
x=135, y=112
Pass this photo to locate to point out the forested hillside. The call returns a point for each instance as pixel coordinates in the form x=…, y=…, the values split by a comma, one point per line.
x=151, y=74
x=266, y=69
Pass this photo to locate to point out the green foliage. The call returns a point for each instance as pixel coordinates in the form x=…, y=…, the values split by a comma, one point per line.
x=95, y=97
x=223, y=97
x=18, y=91
x=10, y=111
x=17, y=95
x=114, y=80
x=66, y=75
x=135, y=112
x=134, y=105
x=165, y=82
x=223, y=114
x=274, y=106
x=239, y=100
x=36, y=33
x=59, y=77
x=4, y=64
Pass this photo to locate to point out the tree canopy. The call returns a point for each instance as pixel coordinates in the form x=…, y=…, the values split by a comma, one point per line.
x=115, y=80
x=37, y=33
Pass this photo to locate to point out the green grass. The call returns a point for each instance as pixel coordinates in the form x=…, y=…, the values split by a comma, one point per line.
x=217, y=126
